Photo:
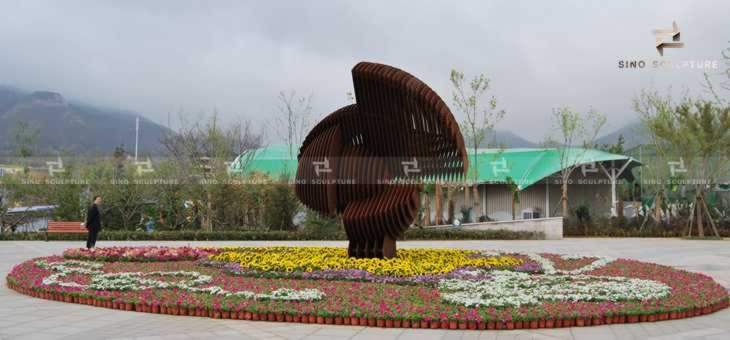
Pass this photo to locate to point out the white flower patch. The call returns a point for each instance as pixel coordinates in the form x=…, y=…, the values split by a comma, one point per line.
x=549, y=268
x=139, y=281
x=517, y=289
x=489, y=253
x=63, y=269
x=574, y=256
x=289, y=294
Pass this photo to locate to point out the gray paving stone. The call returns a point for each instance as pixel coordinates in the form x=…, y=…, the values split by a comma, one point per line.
x=485, y=335
x=341, y=331
x=424, y=334
x=721, y=336
x=555, y=333
x=377, y=333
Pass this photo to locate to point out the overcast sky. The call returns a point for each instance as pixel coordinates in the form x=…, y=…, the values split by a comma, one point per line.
x=161, y=57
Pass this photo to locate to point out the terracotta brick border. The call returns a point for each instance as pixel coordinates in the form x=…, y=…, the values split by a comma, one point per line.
x=372, y=322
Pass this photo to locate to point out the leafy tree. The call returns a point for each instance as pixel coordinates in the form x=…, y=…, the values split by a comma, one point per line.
x=480, y=117
x=617, y=148
x=573, y=128
x=120, y=156
x=515, y=193
x=723, y=86
x=438, y=202
x=25, y=138
x=66, y=196
x=201, y=153
x=20, y=189
x=281, y=206
x=428, y=191
x=699, y=132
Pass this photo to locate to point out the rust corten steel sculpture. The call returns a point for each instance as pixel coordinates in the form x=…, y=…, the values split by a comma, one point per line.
x=367, y=160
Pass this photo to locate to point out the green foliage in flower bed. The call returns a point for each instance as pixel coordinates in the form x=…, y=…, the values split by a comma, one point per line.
x=411, y=234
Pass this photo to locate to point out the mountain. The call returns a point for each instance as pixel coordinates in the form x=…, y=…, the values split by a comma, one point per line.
x=506, y=139
x=634, y=134
x=72, y=126
x=510, y=140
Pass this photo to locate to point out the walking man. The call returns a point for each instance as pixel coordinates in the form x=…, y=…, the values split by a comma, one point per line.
x=93, y=222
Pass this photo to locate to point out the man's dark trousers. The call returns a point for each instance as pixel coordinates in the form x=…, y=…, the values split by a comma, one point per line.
x=93, y=225
x=91, y=238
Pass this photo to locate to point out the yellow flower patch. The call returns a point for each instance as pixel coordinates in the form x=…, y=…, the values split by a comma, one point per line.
x=409, y=262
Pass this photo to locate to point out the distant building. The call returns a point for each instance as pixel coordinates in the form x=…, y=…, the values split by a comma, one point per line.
x=534, y=172
x=34, y=218
x=9, y=170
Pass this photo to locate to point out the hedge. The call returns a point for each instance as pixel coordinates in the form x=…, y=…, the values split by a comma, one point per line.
x=411, y=234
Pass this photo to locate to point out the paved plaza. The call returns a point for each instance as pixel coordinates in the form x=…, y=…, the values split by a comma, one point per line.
x=23, y=317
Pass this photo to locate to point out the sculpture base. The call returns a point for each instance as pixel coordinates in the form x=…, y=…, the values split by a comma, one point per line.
x=388, y=247
x=384, y=248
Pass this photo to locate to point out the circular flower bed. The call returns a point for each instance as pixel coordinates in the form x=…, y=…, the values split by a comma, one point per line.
x=421, y=288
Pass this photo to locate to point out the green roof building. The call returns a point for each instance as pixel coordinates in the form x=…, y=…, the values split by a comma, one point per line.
x=535, y=172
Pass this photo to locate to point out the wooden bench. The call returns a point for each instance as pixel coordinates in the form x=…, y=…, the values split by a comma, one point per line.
x=66, y=227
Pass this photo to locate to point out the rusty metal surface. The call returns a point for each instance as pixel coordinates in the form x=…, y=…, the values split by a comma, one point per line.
x=365, y=161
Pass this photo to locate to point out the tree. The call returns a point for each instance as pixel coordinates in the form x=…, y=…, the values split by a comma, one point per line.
x=427, y=192
x=480, y=117
x=438, y=202
x=24, y=141
x=120, y=157
x=617, y=148
x=25, y=138
x=573, y=128
x=67, y=196
x=3, y=210
x=292, y=123
x=201, y=153
x=699, y=132
x=19, y=189
x=126, y=198
x=5, y=201
x=450, y=208
x=724, y=83
x=651, y=106
x=281, y=206
x=514, y=190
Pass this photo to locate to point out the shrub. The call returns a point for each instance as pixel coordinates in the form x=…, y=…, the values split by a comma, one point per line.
x=281, y=206
x=411, y=234
x=631, y=227
x=318, y=224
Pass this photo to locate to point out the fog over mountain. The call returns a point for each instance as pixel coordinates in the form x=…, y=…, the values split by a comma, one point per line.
x=634, y=134
x=64, y=126
x=164, y=57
